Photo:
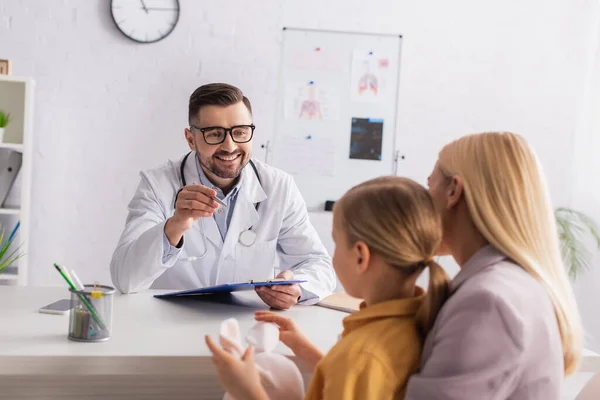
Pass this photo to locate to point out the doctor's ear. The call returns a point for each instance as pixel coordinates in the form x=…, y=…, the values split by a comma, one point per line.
x=363, y=256
x=189, y=138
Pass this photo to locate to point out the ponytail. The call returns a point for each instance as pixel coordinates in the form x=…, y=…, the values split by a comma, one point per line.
x=397, y=219
x=437, y=293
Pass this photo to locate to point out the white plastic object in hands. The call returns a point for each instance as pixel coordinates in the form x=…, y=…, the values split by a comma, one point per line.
x=280, y=376
x=264, y=336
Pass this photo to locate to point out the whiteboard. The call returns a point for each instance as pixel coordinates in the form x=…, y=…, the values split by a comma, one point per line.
x=335, y=123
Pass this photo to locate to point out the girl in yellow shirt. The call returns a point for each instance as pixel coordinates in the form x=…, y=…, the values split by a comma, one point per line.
x=386, y=232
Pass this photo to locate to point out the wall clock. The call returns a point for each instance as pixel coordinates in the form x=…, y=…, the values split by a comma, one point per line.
x=145, y=21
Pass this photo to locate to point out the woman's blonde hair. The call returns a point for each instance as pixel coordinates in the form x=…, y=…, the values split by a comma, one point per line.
x=396, y=218
x=508, y=200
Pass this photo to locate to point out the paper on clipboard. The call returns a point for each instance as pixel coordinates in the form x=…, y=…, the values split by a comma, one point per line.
x=229, y=287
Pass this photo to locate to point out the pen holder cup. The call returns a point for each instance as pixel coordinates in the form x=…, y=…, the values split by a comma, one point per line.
x=91, y=313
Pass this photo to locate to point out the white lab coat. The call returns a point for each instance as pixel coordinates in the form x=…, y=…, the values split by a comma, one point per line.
x=281, y=225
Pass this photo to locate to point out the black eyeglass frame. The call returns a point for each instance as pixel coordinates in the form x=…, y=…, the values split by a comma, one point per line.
x=227, y=130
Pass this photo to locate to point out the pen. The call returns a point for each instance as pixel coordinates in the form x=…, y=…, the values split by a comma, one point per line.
x=77, y=281
x=218, y=200
x=81, y=297
x=221, y=202
x=66, y=272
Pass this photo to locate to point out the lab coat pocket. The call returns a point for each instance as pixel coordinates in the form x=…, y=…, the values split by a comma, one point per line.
x=255, y=262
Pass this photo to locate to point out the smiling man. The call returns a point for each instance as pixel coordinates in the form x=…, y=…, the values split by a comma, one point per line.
x=216, y=216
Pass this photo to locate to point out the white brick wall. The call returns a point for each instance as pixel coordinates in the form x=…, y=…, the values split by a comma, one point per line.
x=107, y=107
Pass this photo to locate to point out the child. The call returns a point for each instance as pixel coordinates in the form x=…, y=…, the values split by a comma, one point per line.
x=386, y=232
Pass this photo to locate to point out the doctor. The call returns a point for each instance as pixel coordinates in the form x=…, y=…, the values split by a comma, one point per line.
x=178, y=236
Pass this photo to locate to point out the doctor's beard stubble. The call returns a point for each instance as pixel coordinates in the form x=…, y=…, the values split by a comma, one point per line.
x=211, y=163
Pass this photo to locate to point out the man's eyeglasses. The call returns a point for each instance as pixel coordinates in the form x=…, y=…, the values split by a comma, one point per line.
x=217, y=134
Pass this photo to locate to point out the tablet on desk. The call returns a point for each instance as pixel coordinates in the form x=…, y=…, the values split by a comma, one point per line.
x=230, y=287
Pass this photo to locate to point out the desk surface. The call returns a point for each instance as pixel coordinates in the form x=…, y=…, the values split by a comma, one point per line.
x=157, y=349
x=147, y=326
x=144, y=325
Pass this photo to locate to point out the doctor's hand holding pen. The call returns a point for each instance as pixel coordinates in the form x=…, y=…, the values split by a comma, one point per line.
x=193, y=202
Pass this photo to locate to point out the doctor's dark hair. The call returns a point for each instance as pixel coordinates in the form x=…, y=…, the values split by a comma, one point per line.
x=215, y=94
x=397, y=220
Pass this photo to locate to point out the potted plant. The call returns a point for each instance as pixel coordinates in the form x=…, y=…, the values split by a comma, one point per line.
x=4, y=120
x=7, y=259
x=574, y=229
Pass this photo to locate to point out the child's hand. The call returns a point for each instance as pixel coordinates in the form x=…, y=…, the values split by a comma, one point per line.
x=237, y=377
x=291, y=335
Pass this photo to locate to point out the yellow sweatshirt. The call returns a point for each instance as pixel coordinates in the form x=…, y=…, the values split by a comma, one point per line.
x=379, y=350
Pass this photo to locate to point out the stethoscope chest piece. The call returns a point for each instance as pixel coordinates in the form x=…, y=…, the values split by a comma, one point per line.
x=247, y=238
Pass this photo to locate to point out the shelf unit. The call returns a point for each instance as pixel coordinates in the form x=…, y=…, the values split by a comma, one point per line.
x=10, y=211
x=16, y=97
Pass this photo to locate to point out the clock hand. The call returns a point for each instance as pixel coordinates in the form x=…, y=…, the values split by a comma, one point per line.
x=161, y=9
x=144, y=6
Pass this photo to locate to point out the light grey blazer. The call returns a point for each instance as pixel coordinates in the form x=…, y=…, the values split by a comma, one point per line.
x=495, y=338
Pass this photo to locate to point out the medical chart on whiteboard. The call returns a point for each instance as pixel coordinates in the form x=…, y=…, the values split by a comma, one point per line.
x=336, y=116
x=311, y=100
x=366, y=138
x=308, y=156
x=370, y=76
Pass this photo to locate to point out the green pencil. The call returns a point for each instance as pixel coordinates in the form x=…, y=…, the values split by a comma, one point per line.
x=82, y=298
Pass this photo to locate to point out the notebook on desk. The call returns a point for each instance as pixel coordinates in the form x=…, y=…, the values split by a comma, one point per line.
x=341, y=302
x=229, y=287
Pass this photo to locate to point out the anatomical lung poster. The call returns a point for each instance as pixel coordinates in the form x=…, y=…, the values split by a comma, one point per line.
x=370, y=73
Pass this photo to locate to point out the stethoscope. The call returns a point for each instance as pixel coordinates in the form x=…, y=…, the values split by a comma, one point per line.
x=246, y=238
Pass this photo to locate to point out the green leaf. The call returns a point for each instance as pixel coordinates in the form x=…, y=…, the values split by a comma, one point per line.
x=5, y=245
x=7, y=261
x=4, y=119
x=573, y=226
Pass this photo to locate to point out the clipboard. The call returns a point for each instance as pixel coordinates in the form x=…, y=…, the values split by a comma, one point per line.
x=229, y=287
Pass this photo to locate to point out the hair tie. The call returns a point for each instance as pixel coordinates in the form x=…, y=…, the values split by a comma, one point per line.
x=426, y=262
x=421, y=264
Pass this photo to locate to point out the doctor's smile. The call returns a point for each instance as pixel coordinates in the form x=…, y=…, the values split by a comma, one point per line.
x=229, y=160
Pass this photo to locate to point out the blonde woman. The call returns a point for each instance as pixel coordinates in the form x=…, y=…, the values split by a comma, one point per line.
x=510, y=329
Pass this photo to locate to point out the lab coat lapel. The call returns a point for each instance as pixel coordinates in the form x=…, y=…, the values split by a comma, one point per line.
x=211, y=231
x=244, y=213
x=210, y=226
